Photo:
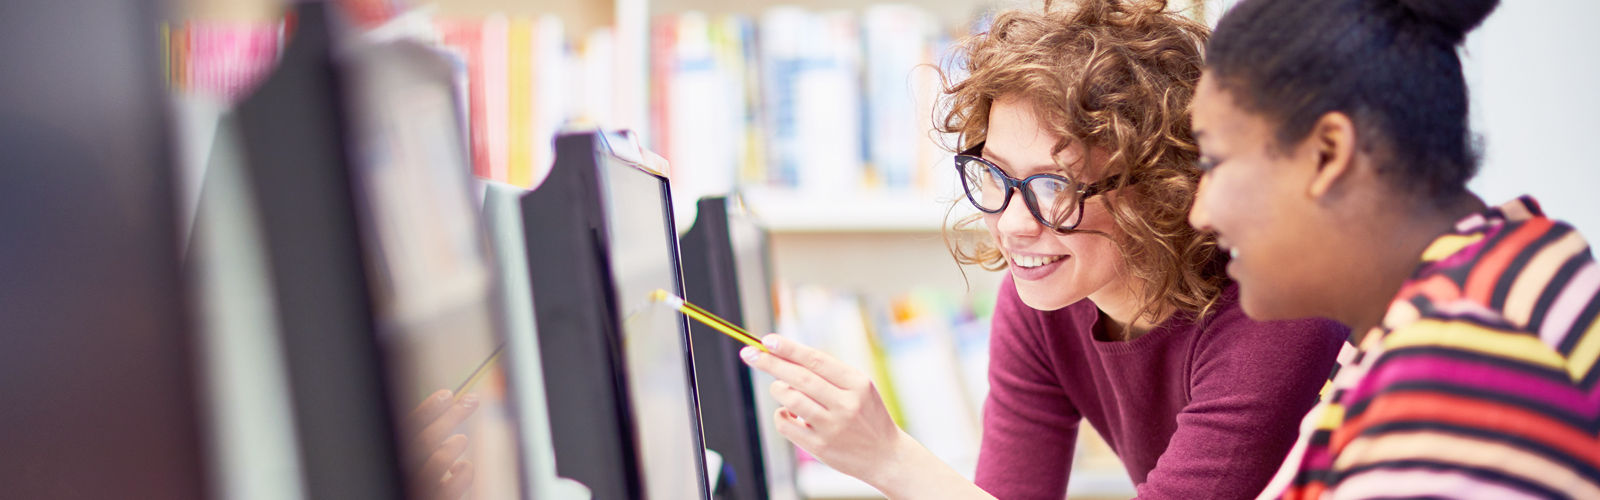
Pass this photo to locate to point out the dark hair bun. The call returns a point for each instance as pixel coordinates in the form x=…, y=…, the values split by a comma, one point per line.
x=1457, y=17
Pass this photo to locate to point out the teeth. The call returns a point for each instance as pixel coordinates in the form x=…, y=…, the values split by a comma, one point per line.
x=1033, y=261
x=1233, y=253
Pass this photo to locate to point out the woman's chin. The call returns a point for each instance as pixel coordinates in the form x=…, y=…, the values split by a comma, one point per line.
x=1261, y=305
x=1044, y=297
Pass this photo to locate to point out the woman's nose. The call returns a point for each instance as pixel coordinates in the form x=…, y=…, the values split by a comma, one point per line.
x=1199, y=215
x=1016, y=220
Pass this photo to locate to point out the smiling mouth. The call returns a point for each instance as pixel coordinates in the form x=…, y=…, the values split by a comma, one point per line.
x=1032, y=261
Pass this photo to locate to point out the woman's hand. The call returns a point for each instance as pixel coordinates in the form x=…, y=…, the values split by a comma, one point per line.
x=831, y=409
x=434, y=451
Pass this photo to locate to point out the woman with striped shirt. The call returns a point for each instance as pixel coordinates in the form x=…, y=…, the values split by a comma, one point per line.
x=1334, y=135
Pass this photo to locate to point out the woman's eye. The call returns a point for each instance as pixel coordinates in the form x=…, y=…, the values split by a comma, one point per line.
x=1206, y=164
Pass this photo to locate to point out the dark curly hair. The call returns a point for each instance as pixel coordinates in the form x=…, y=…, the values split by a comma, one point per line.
x=1390, y=65
x=1116, y=75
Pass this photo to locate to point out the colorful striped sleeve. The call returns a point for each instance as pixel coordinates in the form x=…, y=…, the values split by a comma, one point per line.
x=1481, y=382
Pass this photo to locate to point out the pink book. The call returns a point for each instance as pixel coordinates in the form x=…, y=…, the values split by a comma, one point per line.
x=495, y=94
x=228, y=59
x=466, y=37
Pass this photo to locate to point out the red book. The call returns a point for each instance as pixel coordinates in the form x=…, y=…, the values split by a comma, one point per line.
x=663, y=61
x=466, y=37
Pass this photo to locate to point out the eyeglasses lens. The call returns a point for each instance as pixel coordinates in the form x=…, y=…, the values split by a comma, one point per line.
x=984, y=185
x=1056, y=199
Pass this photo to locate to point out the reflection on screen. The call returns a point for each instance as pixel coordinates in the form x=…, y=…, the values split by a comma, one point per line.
x=642, y=261
x=755, y=298
x=432, y=285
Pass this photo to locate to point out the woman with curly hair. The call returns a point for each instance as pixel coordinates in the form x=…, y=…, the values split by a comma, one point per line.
x=1077, y=151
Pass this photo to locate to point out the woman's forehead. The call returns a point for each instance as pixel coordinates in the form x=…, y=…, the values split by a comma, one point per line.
x=1217, y=119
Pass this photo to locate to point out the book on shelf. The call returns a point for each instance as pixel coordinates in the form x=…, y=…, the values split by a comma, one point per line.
x=224, y=60
x=918, y=349
x=922, y=353
x=826, y=105
x=895, y=38
x=465, y=38
x=524, y=83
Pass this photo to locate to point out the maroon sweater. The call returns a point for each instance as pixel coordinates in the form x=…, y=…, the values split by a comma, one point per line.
x=1195, y=409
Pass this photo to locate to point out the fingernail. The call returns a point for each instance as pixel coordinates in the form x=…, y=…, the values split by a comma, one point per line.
x=444, y=396
x=749, y=354
x=470, y=401
x=771, y=341
x=458, y=468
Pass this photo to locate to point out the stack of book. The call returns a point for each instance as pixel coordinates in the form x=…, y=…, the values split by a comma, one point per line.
x=523, y=82
x=830, y=105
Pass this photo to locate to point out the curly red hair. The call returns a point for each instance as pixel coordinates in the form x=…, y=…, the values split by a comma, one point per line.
x=1117, y=75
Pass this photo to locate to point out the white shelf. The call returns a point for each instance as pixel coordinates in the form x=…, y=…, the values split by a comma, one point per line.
x=820, y=482
x=791, y=211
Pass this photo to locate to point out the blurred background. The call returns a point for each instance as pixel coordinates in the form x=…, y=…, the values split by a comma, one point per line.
x=818, y=114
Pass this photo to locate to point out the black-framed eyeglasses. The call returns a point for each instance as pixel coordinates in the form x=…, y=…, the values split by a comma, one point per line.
x=1053, y=199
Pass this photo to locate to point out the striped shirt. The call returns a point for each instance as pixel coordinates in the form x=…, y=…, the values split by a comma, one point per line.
x=1479, y=383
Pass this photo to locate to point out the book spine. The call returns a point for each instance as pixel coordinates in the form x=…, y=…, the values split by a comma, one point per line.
x=663, y=60
x=496, y=88
x=519, y=102
x=466, y=38
x=550, y=92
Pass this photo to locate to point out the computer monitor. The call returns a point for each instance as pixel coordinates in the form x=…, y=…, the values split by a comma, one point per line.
x=435, y=294
x=502, y=215
x=618, y=371
x=727, y=271
x=96, y=342
x=384, y=287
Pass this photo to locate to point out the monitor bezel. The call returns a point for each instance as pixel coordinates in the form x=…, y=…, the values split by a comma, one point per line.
x=579, y=322
x=622, y=147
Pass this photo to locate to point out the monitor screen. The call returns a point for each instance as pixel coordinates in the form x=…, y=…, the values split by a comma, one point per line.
x=432, y=281
x=643, y=250
x=754, y=274
x=726, y=271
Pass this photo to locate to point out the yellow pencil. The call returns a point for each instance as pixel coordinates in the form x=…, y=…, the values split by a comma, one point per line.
x=704, y=316
x=476, y=374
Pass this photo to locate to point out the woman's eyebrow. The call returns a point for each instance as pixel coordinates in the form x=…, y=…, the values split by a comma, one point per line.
x=1000, y=161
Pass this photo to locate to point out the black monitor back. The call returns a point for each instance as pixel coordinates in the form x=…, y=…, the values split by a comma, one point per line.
x=344, y=154
x=293, y=131
x=94, y=332
x=596, y=435
x=727, y=272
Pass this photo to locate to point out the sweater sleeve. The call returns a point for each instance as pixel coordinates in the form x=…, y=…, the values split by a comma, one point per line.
x=1250, y=385
x=1030, y=428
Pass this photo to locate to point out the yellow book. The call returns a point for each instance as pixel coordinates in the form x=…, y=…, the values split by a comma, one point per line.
x=519, y=164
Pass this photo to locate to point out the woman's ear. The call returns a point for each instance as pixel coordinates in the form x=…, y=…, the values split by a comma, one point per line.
x=1333, y=140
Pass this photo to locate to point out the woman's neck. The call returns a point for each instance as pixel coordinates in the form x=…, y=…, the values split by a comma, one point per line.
x=1121, y=303
x=1395, y=255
